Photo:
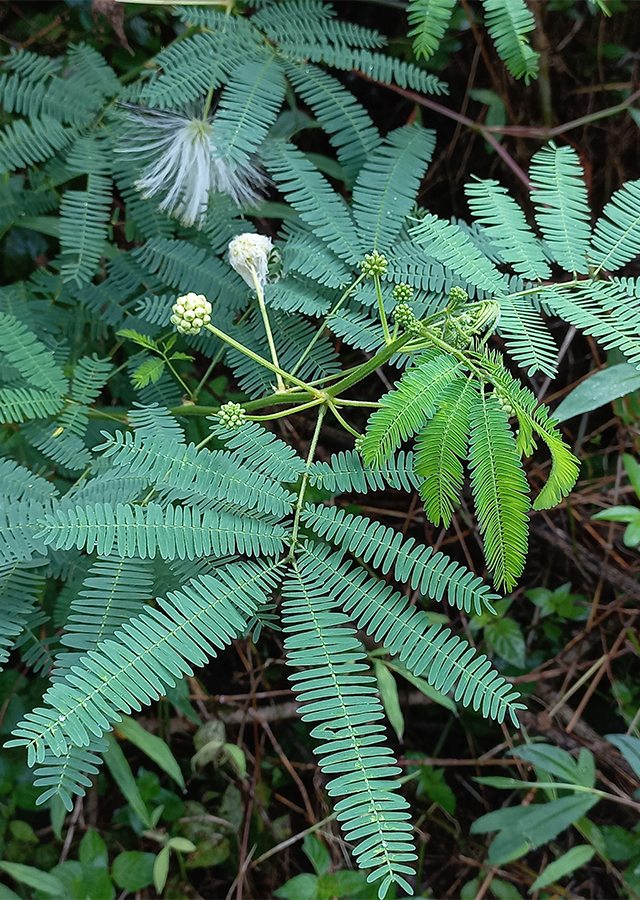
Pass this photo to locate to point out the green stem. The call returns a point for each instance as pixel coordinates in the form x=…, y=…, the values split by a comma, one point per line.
x=286, y=412
x=342, y=420
x=322, y=327
x=177, y=376
x=267, y=326
x=305, y=479
x=214, y=362
x=362, y=371
x=383, y=315
x=261, y=360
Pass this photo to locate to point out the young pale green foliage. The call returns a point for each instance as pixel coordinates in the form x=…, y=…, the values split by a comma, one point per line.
x=171, y=549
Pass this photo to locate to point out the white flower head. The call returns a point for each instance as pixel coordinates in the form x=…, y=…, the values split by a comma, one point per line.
x=249, y=256
x=180, y=147
x=190, y=313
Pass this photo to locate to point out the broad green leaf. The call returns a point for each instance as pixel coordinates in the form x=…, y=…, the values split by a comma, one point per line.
x=506, y=640
x=559, y=763
x=121, y=771
x=93, y=850
x=422, y=684
x=602, y=387
x=161, y=869
x=629, y=747
x=317, y=854
x=567, y=863
x=133, y=870
x=155, y=748
x=389, y=694
x=633, y=471
x=35, y=878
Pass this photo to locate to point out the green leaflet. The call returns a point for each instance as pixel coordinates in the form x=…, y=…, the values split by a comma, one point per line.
x=509, y=22
x=500, y=490
x=435, y=575
x=152, y=653
x=429, y=19
x=407, y=408
x=562, y=209
x=171, y=532
x=386, y=187
x=440, y=448
x=335, y=691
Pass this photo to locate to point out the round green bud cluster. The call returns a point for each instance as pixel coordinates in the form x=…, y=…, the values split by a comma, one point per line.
x=458, y=295
x=358, y=444
x=190, y=313
x=402, y=293
x=374, y=264
x=232, y=415
x=406, y=318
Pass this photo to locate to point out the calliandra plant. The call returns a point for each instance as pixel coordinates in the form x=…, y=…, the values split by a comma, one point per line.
x=169, y=549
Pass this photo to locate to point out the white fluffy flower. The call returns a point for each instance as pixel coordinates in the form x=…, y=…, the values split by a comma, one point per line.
x=180, y=149
x=249, y=255
x=190, y=313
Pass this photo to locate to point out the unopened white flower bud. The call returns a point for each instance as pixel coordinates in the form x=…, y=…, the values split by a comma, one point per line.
x=249, y=256
x=190, y=313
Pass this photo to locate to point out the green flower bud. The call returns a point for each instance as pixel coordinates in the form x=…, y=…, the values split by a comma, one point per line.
x=457, y=295
x=374, y=264
x=402, y=293
x=232, y=415
x=190, y=313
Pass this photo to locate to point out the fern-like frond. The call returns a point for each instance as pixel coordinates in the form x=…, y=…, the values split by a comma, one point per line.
x=22, y=404
x=68, y=775
x=506, y=225
x=508, y=23
x=386, y=188
x=429, y=19
x=89, y=377
x=84, y=218
x=346, y=472
x=601, y=309
x=405, y=409
x=500, y=490
x=311, y=195
x=155, y=422
x=188, y=70
x=59, y=443
x=18, y=528
x=36, y=650
x=562, y=207
x=23, y=144
x=247, y=108
x=307, y=254
x=149, y=653
x=347, y=123
x=535, y=419
x=450, y=245
x=381, y=68
x=446, y=661
x=297, y=294
x=526, y=336
x=433, y=574
x=21, y=586
x=114, y=591
x=261, y=451
x=616, y=237
x=184, y=266
x=440, y=448
x=16, y=203
x=215, y=475
x=356, y=329
x=305, y=29
x=336, y=691
x=30, y=357
x=146, y=531
x=20, y=483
